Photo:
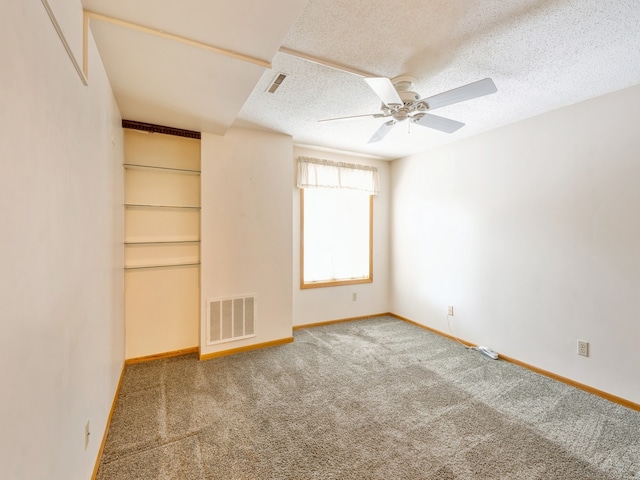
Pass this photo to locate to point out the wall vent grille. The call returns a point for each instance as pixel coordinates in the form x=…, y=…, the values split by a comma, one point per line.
x=231, y=318
x=152, y=128
x=276, y=82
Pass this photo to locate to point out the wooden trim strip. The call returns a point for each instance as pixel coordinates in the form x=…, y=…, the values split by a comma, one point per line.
x=85, y=45
x=335, y=283
x=106, y=428
x=301, y=192
x=178, y=38
x=567, y=381
x=326, y=63
x=160, y=356
x=247, y=348
x=152, y=128
x=581, y=386
x=339, y=320
x=65, y=44
x=371, y=238
x=432, y=330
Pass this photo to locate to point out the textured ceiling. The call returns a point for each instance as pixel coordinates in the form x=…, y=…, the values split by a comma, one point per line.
x=541, y=54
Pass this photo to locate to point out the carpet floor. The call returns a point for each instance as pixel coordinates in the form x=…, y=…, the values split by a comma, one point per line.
x=369, y=399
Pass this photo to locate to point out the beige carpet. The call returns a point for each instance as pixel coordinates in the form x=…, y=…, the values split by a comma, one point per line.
x=371, y=399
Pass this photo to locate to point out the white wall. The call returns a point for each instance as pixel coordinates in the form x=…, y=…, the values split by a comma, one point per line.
x=61, y=291
x=246, y=228
x=335, y=303
x=532, y=233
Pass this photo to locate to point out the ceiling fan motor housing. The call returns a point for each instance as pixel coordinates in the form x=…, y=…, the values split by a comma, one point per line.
x=403, y=83
x=409, y=106
x=409, y=98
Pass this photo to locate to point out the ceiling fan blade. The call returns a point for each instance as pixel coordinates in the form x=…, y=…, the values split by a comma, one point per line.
x=374, y=115
x=439, y=123
x=385, y=90
x=382, y=131
x=460, y=94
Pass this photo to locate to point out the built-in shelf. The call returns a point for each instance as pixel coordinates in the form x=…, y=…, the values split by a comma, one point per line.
x=163, y=265
x=144, y=205
x=162, y=242
x=154, y=167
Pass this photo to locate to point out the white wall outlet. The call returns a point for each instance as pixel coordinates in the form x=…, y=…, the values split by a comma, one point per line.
x=450, y=311
x=583, y=348
x=87, y=434
x=354, y=296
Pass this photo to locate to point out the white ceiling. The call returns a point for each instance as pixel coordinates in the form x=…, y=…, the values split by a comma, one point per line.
x=158, y=80
x=541, y=54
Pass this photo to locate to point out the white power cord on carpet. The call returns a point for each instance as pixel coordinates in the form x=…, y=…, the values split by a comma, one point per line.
x=484, y=350
x=468, y=347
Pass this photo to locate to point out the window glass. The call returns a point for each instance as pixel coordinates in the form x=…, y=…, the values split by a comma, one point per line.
x=336, y=234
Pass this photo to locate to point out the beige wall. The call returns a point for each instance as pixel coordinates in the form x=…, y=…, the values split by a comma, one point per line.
x=531, y=232
x=61, y=255
x=246, y=228
x=334, y=303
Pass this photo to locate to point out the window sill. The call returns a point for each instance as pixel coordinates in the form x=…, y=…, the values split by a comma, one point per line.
x=334, y=283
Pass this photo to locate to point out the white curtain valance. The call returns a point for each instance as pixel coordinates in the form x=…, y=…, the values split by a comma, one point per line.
x=318, y=173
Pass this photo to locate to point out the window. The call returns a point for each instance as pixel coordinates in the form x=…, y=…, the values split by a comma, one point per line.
x=336, y=223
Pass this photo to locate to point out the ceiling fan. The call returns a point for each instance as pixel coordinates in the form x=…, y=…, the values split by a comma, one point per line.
x=400, y=103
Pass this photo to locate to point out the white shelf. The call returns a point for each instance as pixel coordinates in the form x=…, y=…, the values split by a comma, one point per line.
x=161, y=242
x=162, y=265
x=148, y=205
x=170, y=169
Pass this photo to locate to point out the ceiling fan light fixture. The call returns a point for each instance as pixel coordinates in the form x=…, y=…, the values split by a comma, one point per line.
x=401, y=104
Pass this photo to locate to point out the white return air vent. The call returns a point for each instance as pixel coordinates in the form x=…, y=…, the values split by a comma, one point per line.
x=276, y=82
x=230, y=319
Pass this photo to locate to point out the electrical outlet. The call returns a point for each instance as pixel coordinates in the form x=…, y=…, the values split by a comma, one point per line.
x=354, y=296
x=583, y=348
x=87, y=434
x=450, y=311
